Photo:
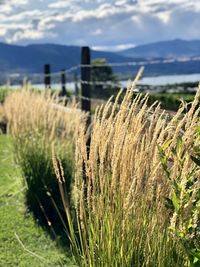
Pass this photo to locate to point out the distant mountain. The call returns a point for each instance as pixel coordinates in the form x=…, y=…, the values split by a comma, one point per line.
x=31, y=58
x=165, y=49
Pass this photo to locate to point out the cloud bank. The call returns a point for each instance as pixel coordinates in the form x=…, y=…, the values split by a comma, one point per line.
x=113, y=24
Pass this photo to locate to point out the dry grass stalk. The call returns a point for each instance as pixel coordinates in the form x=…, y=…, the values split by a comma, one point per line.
x=127, y=184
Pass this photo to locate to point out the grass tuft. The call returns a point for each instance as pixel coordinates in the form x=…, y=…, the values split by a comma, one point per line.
x=139, y=204
x=37, y=121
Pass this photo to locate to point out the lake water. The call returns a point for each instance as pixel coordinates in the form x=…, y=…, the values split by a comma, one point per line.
x=153, y=81
x=170, y=79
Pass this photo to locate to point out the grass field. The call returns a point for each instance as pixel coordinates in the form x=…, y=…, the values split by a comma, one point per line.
x=22, y=242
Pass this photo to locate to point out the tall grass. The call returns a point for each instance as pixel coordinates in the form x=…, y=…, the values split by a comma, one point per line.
x=36, y=122
x=136, y=191
x=139, y=203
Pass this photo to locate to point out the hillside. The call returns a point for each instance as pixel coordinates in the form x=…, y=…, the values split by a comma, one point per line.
x=166, y=49
x=31, y=58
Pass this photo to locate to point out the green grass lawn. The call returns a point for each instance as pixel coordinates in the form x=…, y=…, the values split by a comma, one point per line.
x=22, y=242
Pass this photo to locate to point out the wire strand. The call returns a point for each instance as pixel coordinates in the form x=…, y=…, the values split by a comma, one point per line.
x=145, y=62
x=112, y=64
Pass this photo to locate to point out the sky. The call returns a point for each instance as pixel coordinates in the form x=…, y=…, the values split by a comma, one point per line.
x=104, y=25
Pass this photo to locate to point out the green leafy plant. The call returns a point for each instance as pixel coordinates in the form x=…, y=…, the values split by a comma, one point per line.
x=184, y=200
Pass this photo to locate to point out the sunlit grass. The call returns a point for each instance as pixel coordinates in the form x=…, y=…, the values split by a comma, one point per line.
x=137, y=189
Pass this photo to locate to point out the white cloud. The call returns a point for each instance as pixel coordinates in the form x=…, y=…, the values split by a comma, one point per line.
x=114, y=48
x=164, y=16
x=27, y=34
x=22, y=16
x=9, y=5
x=97, y=32
x=2, y=31
x=98, y=22
x=61, y=4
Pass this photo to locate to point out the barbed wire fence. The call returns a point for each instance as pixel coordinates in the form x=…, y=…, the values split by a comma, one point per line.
x=82, y=80
x=78, y=77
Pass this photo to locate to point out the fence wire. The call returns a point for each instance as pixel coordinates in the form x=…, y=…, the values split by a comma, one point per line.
x=111, y=64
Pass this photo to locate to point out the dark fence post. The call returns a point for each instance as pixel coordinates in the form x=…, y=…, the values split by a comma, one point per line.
x=63, y=83
x=86, y=102
x=85, y=82
x=47, y=76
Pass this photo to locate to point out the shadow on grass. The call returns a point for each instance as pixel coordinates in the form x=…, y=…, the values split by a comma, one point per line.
x=43, y=197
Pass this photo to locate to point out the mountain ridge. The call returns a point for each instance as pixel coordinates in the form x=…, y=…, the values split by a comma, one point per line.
x=164, y=49
x=31, y=58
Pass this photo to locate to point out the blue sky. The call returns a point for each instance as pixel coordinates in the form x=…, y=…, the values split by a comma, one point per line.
x=112, y=25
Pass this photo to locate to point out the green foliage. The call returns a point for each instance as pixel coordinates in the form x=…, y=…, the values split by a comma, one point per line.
x=184, y=202
x=3, y=94
x=102, y=74
x=170, y=101
x=34, y=155
x=43, y=190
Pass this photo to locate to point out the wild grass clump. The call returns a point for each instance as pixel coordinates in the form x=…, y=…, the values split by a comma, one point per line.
x=37, y=123
x=137, y=190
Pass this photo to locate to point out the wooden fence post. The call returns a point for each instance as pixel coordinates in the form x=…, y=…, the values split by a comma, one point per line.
x=47, y=76
x=63, y=83
x=85, y=83
x=86, y=103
